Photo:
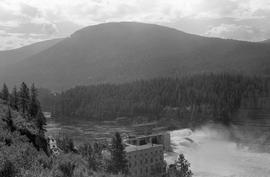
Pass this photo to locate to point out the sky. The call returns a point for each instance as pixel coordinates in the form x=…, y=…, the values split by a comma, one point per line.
x=23, y=22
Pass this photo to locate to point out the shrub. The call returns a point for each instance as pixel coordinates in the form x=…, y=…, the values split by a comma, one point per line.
x=65, y=144
x=67, y=169
x=7, y=169
x=70, y=165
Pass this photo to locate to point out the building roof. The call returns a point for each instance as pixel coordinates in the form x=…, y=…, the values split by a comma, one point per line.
x=146, y=136
x=131, y=148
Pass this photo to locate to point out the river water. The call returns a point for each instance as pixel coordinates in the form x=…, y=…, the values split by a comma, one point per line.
x=212, y=154
x=209, y=149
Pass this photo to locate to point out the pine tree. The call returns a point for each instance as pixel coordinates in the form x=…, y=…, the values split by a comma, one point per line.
x=14, y=99
x=24, y=98
x=34, y=104
x=40, y=121
x=118, y=162
x=9, y=121
x=5, y=93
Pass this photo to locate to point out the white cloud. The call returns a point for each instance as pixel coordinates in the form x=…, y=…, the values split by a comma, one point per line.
x=48, y=16
x=16, y=40
x=232, y=31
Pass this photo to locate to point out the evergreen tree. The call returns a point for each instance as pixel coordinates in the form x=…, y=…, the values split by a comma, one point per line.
x=118, y=162
x=5, y=93
x=24, y=98
x=40, y=121
x=14, y=99
x=182, y=167
x=9, y=121
x=34, y=104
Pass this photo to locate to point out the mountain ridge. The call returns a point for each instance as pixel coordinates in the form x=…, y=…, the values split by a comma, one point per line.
x=8, y=57
x=127, y=51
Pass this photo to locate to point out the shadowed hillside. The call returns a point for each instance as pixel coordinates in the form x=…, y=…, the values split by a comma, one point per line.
x=12, y=56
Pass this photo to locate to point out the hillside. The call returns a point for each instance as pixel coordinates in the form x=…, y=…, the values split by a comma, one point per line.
x=191, y=100
x=12, y=56
x=266, y=41
x=21, y=153
x=120, y=52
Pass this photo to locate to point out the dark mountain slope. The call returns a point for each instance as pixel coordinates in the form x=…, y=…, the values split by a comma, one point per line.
x=266, y=41
x=12, y=56
x=119, y=52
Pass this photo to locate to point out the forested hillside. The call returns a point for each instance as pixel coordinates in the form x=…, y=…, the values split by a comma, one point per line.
x=23, y=145
x=25, y=150
x=216, y=96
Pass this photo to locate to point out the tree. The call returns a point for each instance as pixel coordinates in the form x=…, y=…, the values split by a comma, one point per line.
x=40, y=121
x=5, y=93
x=14, y=100
x=9, y=121
x=34, y=104
x=182, y=167
x=24, y=98
x=118, y=162
x=92, y=156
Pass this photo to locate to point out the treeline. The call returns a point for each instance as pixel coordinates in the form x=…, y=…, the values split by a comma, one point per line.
x=220, y=94
x=25, y=100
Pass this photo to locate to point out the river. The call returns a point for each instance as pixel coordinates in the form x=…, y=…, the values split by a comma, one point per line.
x=209, y=149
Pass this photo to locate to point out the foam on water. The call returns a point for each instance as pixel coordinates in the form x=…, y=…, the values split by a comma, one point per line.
x=212, y=154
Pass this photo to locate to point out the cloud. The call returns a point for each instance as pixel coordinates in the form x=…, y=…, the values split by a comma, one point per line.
x=29, y=11
x=240, y=32
x=16, y=40
x=58, y=18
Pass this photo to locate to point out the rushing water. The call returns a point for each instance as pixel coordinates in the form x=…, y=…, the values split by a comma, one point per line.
x=209, y=149
x=212, y=154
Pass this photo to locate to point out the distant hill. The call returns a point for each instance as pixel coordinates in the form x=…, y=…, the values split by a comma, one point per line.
x=15, y=55
x=126, y=51
x=266, y=41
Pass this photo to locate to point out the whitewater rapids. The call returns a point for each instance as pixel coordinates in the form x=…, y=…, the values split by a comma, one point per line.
x=212, y=154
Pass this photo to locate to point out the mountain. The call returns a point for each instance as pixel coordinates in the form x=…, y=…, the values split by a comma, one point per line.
x=126, y=51
x=15, y=55
x=266, y=41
